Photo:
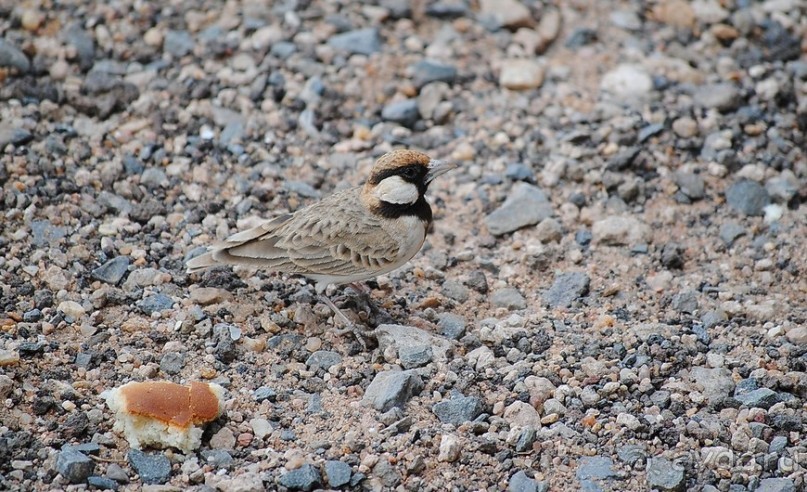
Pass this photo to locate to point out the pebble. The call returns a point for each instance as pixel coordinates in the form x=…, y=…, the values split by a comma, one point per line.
x=627, y=82
x=83, y=43
x=747, y=197
x=520, y=482
x=685, y=127
x=265, y=393
x=155, y=303
x=458, y=409
x=411, y=341
x=691, y=185
x=74, y=465
x=567, y=288
x=716, y=382
x=511, y=14
x=508, y=298
x=178, y=43
x=404, y=112
x=631, y=454
x=776, y=485
x=758, y=398
x=594, y=468
x=620, y=231
x=172, y=363
x=664, y=475
x=730, y=231
x=430, y=98
x=723, y=96
x=13, y=57
x=450, y=449
x=112, y=271
x=455, y=291
x=426, y=71
x=117, y=473
x=361, y=41
x=323, y=359
x=336, y=473
x=305, y=477
x=523, y=415
x=102, y=483
x=521, y=74
x=797, y=335
x=392, y=389
x=13, y=135
x=626, y=19
x=525, y=205
x=451, y=325
x=153, y=468
x=72, y=309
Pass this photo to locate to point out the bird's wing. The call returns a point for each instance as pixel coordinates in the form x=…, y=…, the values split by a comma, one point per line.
x=336, y=236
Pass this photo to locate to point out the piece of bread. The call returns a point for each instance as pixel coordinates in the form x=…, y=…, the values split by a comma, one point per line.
x=164, y=414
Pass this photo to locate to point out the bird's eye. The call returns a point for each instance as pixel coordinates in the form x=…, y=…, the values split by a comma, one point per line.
x=409, y=173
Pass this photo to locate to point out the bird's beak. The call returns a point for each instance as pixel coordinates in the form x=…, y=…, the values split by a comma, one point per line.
x=436, y=168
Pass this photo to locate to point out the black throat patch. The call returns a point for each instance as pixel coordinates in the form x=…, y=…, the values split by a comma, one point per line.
x=419, y=209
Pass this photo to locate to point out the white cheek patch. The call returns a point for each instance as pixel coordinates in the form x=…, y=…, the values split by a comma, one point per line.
x=396, y=190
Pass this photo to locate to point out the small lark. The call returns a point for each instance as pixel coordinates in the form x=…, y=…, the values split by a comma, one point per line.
x=350, y=236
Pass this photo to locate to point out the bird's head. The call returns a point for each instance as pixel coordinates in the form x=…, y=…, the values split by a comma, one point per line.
x=399, y=179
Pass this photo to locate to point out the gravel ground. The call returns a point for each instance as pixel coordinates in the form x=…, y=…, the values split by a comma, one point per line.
x=612, y=297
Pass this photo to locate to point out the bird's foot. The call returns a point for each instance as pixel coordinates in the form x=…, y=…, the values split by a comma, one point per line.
x=361, y=335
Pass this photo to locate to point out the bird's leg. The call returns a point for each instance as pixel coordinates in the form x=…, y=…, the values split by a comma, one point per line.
x=349, y=326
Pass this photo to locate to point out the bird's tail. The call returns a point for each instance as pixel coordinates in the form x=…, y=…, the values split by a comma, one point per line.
x=205, y=260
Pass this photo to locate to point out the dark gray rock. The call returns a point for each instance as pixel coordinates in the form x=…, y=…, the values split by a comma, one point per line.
x=392, y=389
x=83, y=43
x=172, y=363
x=631, y=454
x=723, y=96
x=44, y=233
x=747, y=197
x=404, y=112
x=304, y=478
x=650, y=131
x=776, y=485
x=74, y=465
x=283, y=49
x=102, y=483
x=415, y=355
x=685, y=302
x=663, y=474
x=458, y=410
x=264, y=393
x=477, y=280
x=672, y=256
x=451, y=325
x=778, y=444
x=594, y=468
x=518, y=171
x=323, y=359
x=337, y=473
x=152, y=468
x=13, y=135
x=525, y=205
x=155, y=303
x=13, y=57
x=711, y=319
x=218, y=458
x=567, y=287
x=760, y=398
x=525, y=440
x=361, y=41
x=112, y=271
x=730, y=231
x=455, y=290
x=520, y=482
x=178, y=43
x=428, y=71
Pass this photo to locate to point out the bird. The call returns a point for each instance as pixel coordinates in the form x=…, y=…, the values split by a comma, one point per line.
x=348, y=237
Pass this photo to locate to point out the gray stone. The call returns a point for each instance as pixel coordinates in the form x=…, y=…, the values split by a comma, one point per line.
x=337, y=473
x=663, y=474
x=685, y=302
x=626, y=19
x=428, y=71
x=619, y=231
x=717, y=382
x=155, y=303
x=722, y=96
x=44, y=233
x=416, y=355
x=264, y=393
x=303, y=189
x=13, y=135
x=13, y=57
x=218, y=458
x=304, y=478
x=525, y=205
x=631, y=454
x=650, y=131
x=451, y=325
x=508, y=298
x=477, y=280
x=152, y=468
x=518, y=171
x=154, y=177
x=361, y=41
x=776, y=485
x=520, y=482
x=759, y=398
x=172, y=363
x=112, y=271
x=525, y=440
x=567, y=287
x=323, y=359
x=456, y=291
x=594, y=468
x=730, y=231
x=410, y=339
x=458, y=410
x=283, y=49
x=117, y=473
x=83, y=43
x=747, y=197
x=102, y=483
x=783, y=188
x=778, y=444
x=404, y=112
x=178, y=43
x=74, y=465
x=691, y=185
x=392, y=389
